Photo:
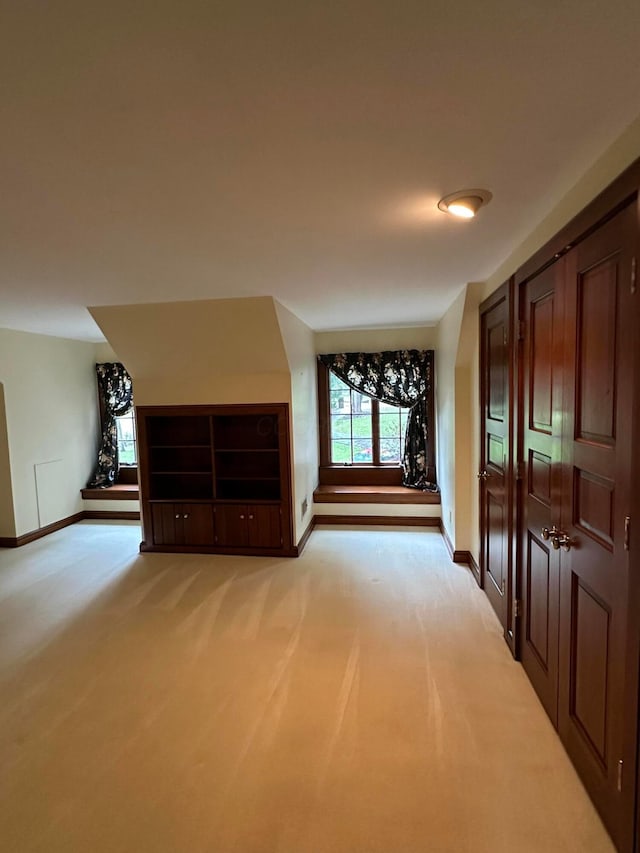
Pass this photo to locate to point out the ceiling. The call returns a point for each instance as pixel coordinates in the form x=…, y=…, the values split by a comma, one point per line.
x=159, y=151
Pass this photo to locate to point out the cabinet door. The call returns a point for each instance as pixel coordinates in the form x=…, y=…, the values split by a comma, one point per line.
x=197, y=522
x=167, y=524
x=265, y=528
x=231, y=526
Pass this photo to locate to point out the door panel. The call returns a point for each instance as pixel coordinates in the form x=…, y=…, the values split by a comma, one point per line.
x=231, y=525
x=590, y=641
x=595, y=499
x=265, y=529
x=167, y=524
x=494, y=474
x=541, y=431
x=540, y=586
x=198, y=524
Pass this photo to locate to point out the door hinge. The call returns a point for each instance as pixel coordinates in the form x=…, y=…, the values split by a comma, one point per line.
x=627, y=532
x=519, y=470
x=504, y=337
x=633, y=274
x=517, y=608
x=620, y=766
x=502, y=587
x=521, y=330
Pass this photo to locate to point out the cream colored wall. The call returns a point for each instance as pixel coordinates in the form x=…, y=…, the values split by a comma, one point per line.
x=7, y=517
x=447, y=340
x=52, y=422
x=208, y=351
x=605, y=170
x=299, y=344
x=207, y=390
x=111, y=506
x=474, y=428
x=376, y=340
x=201, y=338
x=104, y=353
x=613, y=161
x=397, y=510
x=467, y=534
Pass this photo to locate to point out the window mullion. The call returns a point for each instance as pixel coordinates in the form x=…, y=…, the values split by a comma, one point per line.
x=351, y=423
x=375, y=430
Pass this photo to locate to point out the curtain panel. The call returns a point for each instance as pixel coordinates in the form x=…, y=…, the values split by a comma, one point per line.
x=400, y=378
x=115, y=392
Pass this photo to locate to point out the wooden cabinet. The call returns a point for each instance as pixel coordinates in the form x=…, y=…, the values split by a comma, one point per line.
x=252, y=525
x=182, y=524
x=216, y=478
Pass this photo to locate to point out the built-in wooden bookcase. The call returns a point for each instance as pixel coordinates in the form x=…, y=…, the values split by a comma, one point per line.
x=180, y=461
x=247, y=457
x=215, y=478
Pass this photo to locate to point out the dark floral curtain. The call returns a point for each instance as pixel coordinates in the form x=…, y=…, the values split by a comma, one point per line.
x=404, y=379
x=116, y=398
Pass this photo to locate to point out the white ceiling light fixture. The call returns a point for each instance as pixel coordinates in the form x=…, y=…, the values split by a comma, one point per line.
x=465, y=203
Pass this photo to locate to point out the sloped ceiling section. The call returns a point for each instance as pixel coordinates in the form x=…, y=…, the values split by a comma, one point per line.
x=205, y=351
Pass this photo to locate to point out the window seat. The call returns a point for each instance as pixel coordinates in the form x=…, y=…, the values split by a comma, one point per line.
x=373, y=495
x=119, y=492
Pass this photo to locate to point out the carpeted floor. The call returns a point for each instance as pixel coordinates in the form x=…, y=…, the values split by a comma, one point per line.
x=360, y=698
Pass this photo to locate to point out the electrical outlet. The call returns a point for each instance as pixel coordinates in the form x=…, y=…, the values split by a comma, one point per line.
x=305, y=507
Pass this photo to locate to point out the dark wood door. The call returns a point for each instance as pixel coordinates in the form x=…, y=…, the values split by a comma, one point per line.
x=595, y=499
x=495, y=455
x=167, y=524
x=197, y=521
x=541, y=311
x=182, y=524
x=231, y=523
x=265, y=526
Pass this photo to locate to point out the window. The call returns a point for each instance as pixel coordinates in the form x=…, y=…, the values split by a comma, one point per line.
x=361, y=440
x=362, y=430
x=127, y=442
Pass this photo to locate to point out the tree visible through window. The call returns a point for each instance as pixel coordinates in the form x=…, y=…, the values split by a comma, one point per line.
x=364, y=430
x=127, y=443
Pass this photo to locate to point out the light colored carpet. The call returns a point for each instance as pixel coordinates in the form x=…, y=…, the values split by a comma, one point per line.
x=360, y=698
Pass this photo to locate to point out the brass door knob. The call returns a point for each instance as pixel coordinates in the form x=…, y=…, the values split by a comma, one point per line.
x=561, y=540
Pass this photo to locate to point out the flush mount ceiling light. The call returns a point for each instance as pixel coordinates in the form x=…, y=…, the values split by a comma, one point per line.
x=465, y=203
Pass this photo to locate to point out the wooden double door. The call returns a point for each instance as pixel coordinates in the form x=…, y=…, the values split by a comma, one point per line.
x=557, y=397
x=578, y=321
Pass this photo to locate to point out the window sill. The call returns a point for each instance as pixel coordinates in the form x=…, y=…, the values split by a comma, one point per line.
x=373, y=495
x=380, y=476
x=119, y=492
